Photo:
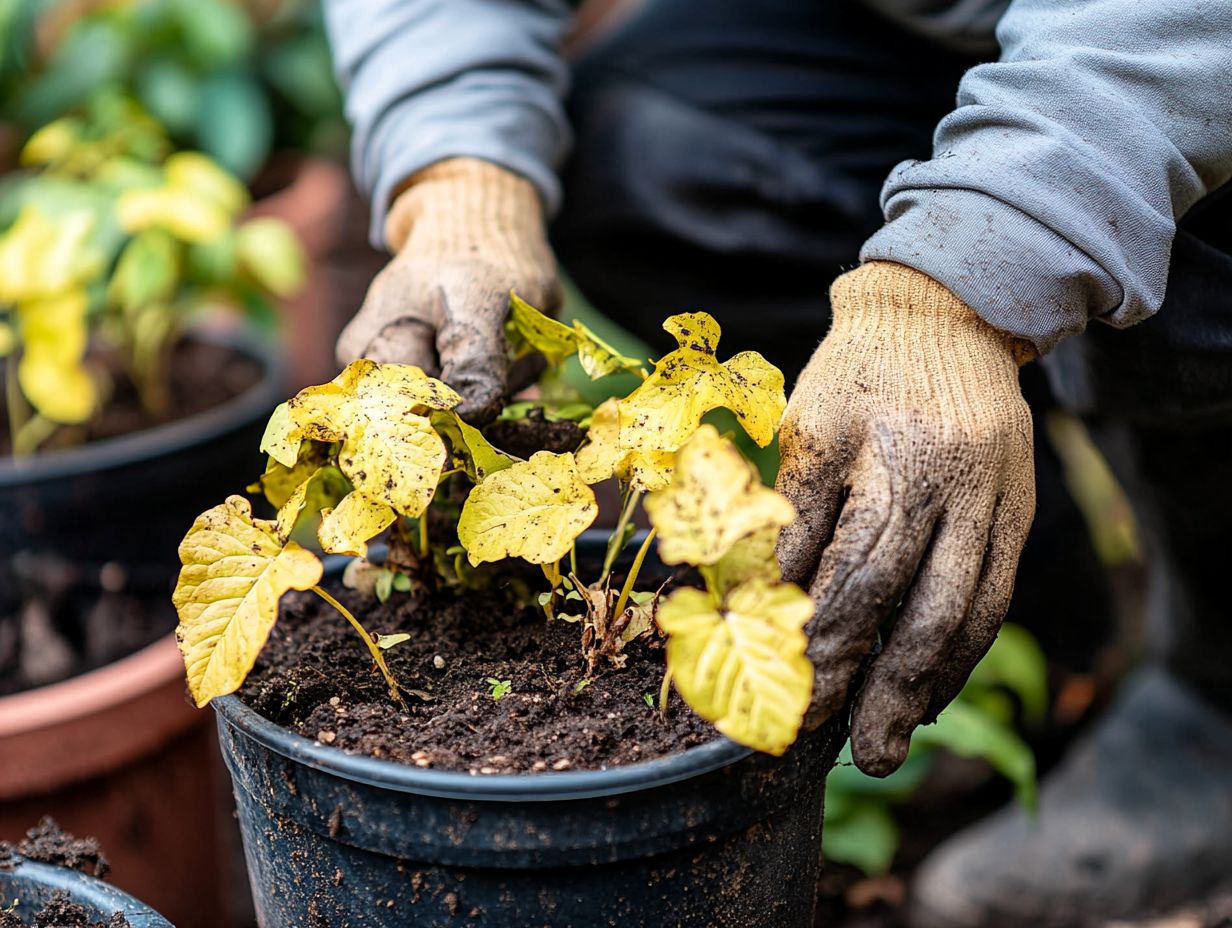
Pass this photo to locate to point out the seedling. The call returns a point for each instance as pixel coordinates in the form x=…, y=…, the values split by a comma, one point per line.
x=498, y=689
x=369, y=450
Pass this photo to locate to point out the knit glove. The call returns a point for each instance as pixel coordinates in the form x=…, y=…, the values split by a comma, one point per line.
x=907, y=451
x=465, y=232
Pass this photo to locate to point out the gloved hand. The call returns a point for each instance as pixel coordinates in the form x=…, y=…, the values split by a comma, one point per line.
x=465, y=232
x=907, y=451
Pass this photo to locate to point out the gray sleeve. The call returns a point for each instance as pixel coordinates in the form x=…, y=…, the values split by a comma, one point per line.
x=1054, y=187
x=426, y=80
x=965, y=25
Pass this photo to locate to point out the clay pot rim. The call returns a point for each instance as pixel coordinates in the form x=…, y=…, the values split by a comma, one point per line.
x=93, y=693
x=162, y=440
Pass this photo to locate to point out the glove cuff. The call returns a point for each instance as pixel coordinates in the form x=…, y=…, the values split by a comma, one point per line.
x=465, y=202
x=886, y=293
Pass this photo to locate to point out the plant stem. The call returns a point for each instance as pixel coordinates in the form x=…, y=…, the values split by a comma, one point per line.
x=423, y=536
x=665, y=691
x=573, y=561
x=633, y=572
x=377, y=656
x=616, y=540
x=552, y=572
x=36, y=430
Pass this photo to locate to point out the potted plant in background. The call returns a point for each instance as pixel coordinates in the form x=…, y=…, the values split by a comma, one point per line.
x=513, y=753
x=125, y=407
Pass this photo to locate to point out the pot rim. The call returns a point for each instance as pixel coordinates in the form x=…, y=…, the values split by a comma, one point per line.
x=549, y=786
x=84, y=889
x=169, y=438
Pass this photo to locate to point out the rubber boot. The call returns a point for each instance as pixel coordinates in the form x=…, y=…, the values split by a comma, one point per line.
x=1136, y=820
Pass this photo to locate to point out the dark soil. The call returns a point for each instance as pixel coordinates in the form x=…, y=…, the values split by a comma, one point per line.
x=61, y=912
x=201, y=376
x=316, y=678
x=523, y=437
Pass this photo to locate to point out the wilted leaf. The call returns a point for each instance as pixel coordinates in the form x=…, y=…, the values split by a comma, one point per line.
x=235, y=571
x=282, y=438
x=199, y=175
x=742, y=668
x=752, y=557
x=322, y=489
x=187, y=216
x=531, y=329
x=532, y=509
x=715, y=498
x=42, y=256
x=687, y=383
x=347, y=528
x=279, y=482
x=471, y=451
x=390, y=452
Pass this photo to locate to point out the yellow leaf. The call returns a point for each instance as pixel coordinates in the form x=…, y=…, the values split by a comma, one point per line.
x=235, y=570
x=52, y=142
x=742, y=668
x=610, y=450
x=43, y=257
x=202, y=178
x=688, y=382
x=390, y=452
x=282, y=438
x=186, y=215
x=8, y=339
x=533, y=509
x=279, y=481
x=50, y=372
x=715, y=498
x=270, y=251
x=752, y=557
x=471, y=451
x=531, y=329
x=347, y=528
x=323, y=488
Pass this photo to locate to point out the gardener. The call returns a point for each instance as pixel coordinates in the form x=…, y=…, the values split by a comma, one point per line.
x=727, y=155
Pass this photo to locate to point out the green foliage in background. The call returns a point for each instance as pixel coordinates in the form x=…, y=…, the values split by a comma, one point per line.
x=234, y=80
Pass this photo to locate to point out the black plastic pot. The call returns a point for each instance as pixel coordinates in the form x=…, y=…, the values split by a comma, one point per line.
x=714, y=837
x=128, y=501
x=31, y=885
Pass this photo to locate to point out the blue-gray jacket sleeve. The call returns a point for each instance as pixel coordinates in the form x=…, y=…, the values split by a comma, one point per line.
x=1055, y=186
x=426, y=80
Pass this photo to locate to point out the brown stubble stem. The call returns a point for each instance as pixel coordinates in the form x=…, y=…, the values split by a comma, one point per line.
x=375, y=651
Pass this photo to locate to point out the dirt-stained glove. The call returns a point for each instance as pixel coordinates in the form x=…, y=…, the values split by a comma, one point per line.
x=465, y=232
x=907, y=450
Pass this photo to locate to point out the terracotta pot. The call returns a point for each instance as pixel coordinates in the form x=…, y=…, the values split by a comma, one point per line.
x=119, y=753
x=312, y=195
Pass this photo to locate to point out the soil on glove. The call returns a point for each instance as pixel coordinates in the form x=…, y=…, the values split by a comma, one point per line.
x=60, y=912
x=201, y=376
x=316, y=678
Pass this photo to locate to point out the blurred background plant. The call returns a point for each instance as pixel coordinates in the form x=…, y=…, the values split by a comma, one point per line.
x=236, y=81
x=114, y=242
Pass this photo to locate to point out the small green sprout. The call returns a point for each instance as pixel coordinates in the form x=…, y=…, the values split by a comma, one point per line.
x=648, y=699
x=498, y=689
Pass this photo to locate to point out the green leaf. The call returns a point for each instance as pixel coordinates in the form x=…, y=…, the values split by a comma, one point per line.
x=215, y=34
x=148, y=270
x=170, y=92
x=270, y=251
x=1016, y=662
x=234, y=124
x=967, y=732
x=282, y=438
x=385, y=642
x=865, y=836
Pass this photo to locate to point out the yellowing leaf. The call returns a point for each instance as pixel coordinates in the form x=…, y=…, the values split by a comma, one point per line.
x=50, y=372
x=471, y=451
x=715, y=498
x=610, y=450
x=42, y=256
x=282, y=438
x=187, y=216
x=195, y=174
x=324, y=488
x=270, y=251
x=752, y=557
x=557, y=341
x=742, y=668
x=51, y=142
x=235, y=570
x=688, y=382
x=147, y=270
x=8, y=339
x=533, y=509
x=390, y=452
x=347, y=528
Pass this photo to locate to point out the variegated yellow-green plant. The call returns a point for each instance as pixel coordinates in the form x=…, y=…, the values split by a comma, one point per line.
x=111, y=242
x=370, y=449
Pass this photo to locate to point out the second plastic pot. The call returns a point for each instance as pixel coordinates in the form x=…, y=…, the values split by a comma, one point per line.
x=28, y=886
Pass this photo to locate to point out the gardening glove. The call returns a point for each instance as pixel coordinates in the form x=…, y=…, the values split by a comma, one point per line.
x=465, y=233
x=907, y=451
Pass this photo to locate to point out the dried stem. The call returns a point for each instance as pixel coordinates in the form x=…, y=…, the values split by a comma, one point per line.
x=377, y=656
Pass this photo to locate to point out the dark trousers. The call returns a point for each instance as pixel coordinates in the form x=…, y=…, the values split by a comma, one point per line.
x=729, y=156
